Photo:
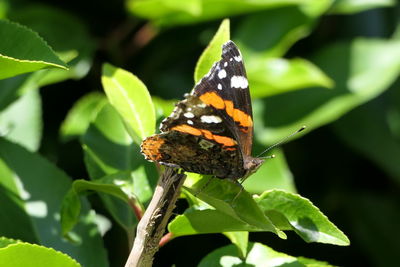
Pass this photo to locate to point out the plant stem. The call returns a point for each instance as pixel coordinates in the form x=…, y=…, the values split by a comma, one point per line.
x=151, y=227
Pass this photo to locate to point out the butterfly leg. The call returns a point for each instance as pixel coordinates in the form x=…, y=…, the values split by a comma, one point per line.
x=172, y=165
x=204, y=186
x=241, y=189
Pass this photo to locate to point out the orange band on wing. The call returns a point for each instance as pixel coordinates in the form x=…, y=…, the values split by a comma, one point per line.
x=187, y=129
x=226, y=141
x=214, y=100
x=229, y=108
x=241, y=117
x=223, y=140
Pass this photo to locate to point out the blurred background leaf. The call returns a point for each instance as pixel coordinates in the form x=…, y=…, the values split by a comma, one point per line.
x=354, y=6
x=27, y=203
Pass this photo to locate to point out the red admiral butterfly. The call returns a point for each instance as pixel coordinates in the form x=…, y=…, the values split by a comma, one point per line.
x=211, y=130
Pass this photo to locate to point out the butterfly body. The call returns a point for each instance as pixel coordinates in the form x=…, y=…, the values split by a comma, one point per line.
x=211, y=130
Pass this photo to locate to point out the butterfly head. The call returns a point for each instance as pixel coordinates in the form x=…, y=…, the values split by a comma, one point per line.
x=251, y=165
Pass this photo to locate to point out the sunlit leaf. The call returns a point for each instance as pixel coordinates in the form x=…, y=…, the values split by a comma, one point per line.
x=213, y=51
x=77, y=49
x=22, y=122
x=130, y=98
x=235, y=210
x=24, y=254
x=240, y=239
x=22, y=50
x=258, y=255
x=304, y=218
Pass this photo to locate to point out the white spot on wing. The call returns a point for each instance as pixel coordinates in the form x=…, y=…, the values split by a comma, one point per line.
x=210, y=119
x=202, y=105
x=219, y=86
x=238, y=58
x=225, y=64
x=222, y=74
x=189, y=115
x=239, y=82
x=190, y=122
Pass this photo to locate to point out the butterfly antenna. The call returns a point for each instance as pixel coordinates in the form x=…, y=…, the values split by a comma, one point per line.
x=281, y=142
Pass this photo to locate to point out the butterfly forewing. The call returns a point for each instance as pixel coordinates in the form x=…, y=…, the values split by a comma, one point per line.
x=226, y=88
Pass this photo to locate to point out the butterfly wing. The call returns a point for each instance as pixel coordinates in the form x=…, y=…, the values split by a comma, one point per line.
x=226, y=89
x=193, y=153
x=211, y=130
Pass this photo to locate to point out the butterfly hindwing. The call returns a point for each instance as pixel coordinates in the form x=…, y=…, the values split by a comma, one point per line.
x=193, y=154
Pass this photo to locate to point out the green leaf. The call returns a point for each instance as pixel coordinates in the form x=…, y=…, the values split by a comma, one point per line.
x=130, y=98
x=304, y=218
x=207, y=221
x=213, y=51
x=241, y=240
x=361, y=69
x=258, y=255
x=81, y=115
x=21, y=122
x=355, y=6
x=314, y=9
x=109, y=146
x=13, y=88
x=30, y=211
x=271, y=33
x=22, y=51
x=235, y=209
x=163, y=107
x=172, y=12
x=77, y=49
x=47, y=22
x=71, y=205
x=25, y=254
x=110, y=150
x=278, y=75
x=273, y=174
x=4, y=242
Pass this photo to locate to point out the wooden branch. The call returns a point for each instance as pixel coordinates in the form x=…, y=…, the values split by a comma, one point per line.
x=151, y=227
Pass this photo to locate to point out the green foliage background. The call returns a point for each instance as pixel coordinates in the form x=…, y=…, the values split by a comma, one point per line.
x=330, y=65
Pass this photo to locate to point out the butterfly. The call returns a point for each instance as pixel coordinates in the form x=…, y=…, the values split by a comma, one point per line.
x=210, y=131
